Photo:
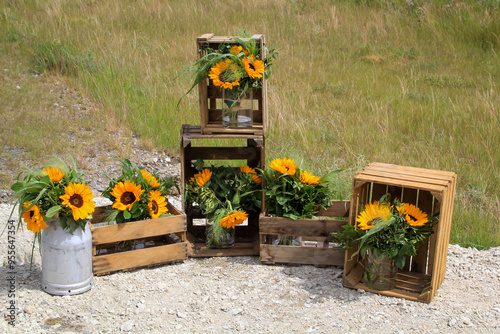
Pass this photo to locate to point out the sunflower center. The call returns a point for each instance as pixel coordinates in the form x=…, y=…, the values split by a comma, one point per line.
x=127, y=197
x=76, y=200
x=412, y=218
x=154, y=207
x=251, y=67
x=32, y=213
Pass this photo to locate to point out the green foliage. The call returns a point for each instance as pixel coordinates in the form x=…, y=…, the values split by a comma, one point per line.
x=287, y=196
x=148, y=183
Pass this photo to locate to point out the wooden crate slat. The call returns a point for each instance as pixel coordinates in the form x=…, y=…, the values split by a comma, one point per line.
x=303, y=227
x=139, y=258
x=317, y=256
x=408, y=170
x=407, y=178
x=139, y=229
x=398, y=182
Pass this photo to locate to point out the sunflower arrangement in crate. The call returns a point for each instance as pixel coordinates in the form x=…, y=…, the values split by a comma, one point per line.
x=224, y=195
x=387, y=233
x=137, y=195
x=295, y=193
x=237, y=68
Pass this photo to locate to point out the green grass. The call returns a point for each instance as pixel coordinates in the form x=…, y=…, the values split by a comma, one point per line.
x=355, y=81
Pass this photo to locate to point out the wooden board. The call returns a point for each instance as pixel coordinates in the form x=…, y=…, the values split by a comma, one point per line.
x=315, y=235
x=431, y=190
x=105, y=237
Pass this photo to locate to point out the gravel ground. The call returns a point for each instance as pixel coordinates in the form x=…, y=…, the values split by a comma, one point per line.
x=226, y=295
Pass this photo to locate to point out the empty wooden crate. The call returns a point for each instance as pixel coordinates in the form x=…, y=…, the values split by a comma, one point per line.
x=137, y=244
x=211, y=96
x=433, y=191
x=312, y=238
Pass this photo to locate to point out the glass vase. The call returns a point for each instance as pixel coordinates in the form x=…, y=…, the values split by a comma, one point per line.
x=380, y=271
x=220, y=238
x=237, y=108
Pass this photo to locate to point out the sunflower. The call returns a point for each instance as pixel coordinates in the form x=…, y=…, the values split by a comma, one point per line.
x=33, y=218
x=413, y=215
x=248, y=170
x=223, y=75
x=254, y=68
x=284, y=166
x=157, y=204
x=150, y=179
x=126, y=194
x=373, y=213
x=203, y=177
x=78, y=198
x=54, y=173
x=235, y=50
x=309, y=178
x=233, y=219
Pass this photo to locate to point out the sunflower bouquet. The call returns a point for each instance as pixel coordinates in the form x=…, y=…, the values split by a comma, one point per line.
x=224, y=195
x=391, y=228
x=137, y=194
x=295, y=193
x=55, y=192
x=235, y=67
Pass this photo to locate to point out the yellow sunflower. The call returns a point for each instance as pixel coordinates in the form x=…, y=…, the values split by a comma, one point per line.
x=203, y=177
x=235, y=50
x=78, y=198
x=373, y=213
x=223, y=75
x=33, y=218
x=157, y=204
x=233, y=219
x=284, y=166
x=54, y=173
x=126, y=194
x=413, y=215
x=254, y=68
x=309, y=178
x=150, y=179
x=248, y=170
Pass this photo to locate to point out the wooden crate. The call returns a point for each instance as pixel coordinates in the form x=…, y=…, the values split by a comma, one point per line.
x=211, y=96
x=247, y=236
x=315, y=236
x=165, y=250
x=432, y=191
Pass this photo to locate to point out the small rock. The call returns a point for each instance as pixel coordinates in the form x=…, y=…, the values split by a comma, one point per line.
x=452, y=322
x=26, y=275
x=236, y=311
x=127, y=326
x=29, y=309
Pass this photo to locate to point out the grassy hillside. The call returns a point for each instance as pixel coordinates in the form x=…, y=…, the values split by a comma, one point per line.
x=407, y=82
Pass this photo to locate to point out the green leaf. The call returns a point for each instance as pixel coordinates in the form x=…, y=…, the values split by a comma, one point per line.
x=126, y=214
x=400, y=261
x=53, y=211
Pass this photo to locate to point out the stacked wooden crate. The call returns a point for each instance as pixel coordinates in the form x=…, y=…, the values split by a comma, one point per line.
x=251, y=152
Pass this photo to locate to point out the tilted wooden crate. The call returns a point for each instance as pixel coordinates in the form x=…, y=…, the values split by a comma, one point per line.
x=433, y=191
x=247, y=236
x=315, y=235
x=211, y=96
x=159, y=231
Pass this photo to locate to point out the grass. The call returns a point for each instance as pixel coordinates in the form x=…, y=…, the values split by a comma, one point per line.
x=412, y=83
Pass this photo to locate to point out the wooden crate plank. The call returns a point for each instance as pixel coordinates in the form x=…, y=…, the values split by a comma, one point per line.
x=139, y=258
x=136, y=230
x=400, y=183
x=301, y=227
x=271, y=254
